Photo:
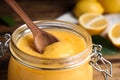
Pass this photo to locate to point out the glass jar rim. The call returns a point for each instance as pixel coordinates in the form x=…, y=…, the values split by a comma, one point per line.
x=50, y=61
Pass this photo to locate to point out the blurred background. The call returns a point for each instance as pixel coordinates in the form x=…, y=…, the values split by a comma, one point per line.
x=38, y=10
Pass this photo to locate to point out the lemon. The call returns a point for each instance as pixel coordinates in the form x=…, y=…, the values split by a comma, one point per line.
x=114, y=35
x=110, y=6
x=87, y=6
x=94, y=23
x=86, y=0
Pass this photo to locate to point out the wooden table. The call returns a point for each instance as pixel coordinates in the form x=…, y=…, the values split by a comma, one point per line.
x=45, y=9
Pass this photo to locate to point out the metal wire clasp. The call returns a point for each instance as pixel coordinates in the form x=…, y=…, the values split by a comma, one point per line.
x=4, y=44
x=96, y=58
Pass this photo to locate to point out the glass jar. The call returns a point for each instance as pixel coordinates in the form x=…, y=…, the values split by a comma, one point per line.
x=78, y=67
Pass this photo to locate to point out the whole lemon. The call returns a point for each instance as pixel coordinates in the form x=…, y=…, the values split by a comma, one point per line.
x=86, y=6
x=87, y=0
x=110, y=6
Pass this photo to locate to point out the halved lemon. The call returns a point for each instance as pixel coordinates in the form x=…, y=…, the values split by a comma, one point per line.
x=94, y=23
x=114, y=35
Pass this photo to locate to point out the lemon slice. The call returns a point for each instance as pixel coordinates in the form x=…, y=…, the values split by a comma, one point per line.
x=94, y=23
x=114, y=35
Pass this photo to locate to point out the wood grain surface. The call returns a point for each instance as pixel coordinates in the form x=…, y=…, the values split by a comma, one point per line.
x=45, y=9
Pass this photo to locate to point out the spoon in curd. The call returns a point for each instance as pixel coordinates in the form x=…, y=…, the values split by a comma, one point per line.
x=41, y=38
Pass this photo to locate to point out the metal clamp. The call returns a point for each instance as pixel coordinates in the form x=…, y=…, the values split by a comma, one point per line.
x=4, y=45
x=97, y=58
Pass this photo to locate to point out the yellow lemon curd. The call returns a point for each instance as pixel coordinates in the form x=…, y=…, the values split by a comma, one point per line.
x=69, y=44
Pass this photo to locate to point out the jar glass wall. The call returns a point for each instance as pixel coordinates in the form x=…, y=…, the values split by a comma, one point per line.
x=23, y=66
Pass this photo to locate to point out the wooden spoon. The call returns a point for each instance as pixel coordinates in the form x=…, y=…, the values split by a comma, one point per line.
x=41, y=38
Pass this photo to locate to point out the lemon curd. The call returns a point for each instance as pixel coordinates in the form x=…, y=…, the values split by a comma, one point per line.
x=69, y=44
x=63, y=60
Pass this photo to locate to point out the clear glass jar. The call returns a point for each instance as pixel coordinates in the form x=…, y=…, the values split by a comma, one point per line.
x=23, y=66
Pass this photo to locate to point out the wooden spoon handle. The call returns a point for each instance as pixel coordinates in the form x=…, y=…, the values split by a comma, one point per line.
x=23, y=15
